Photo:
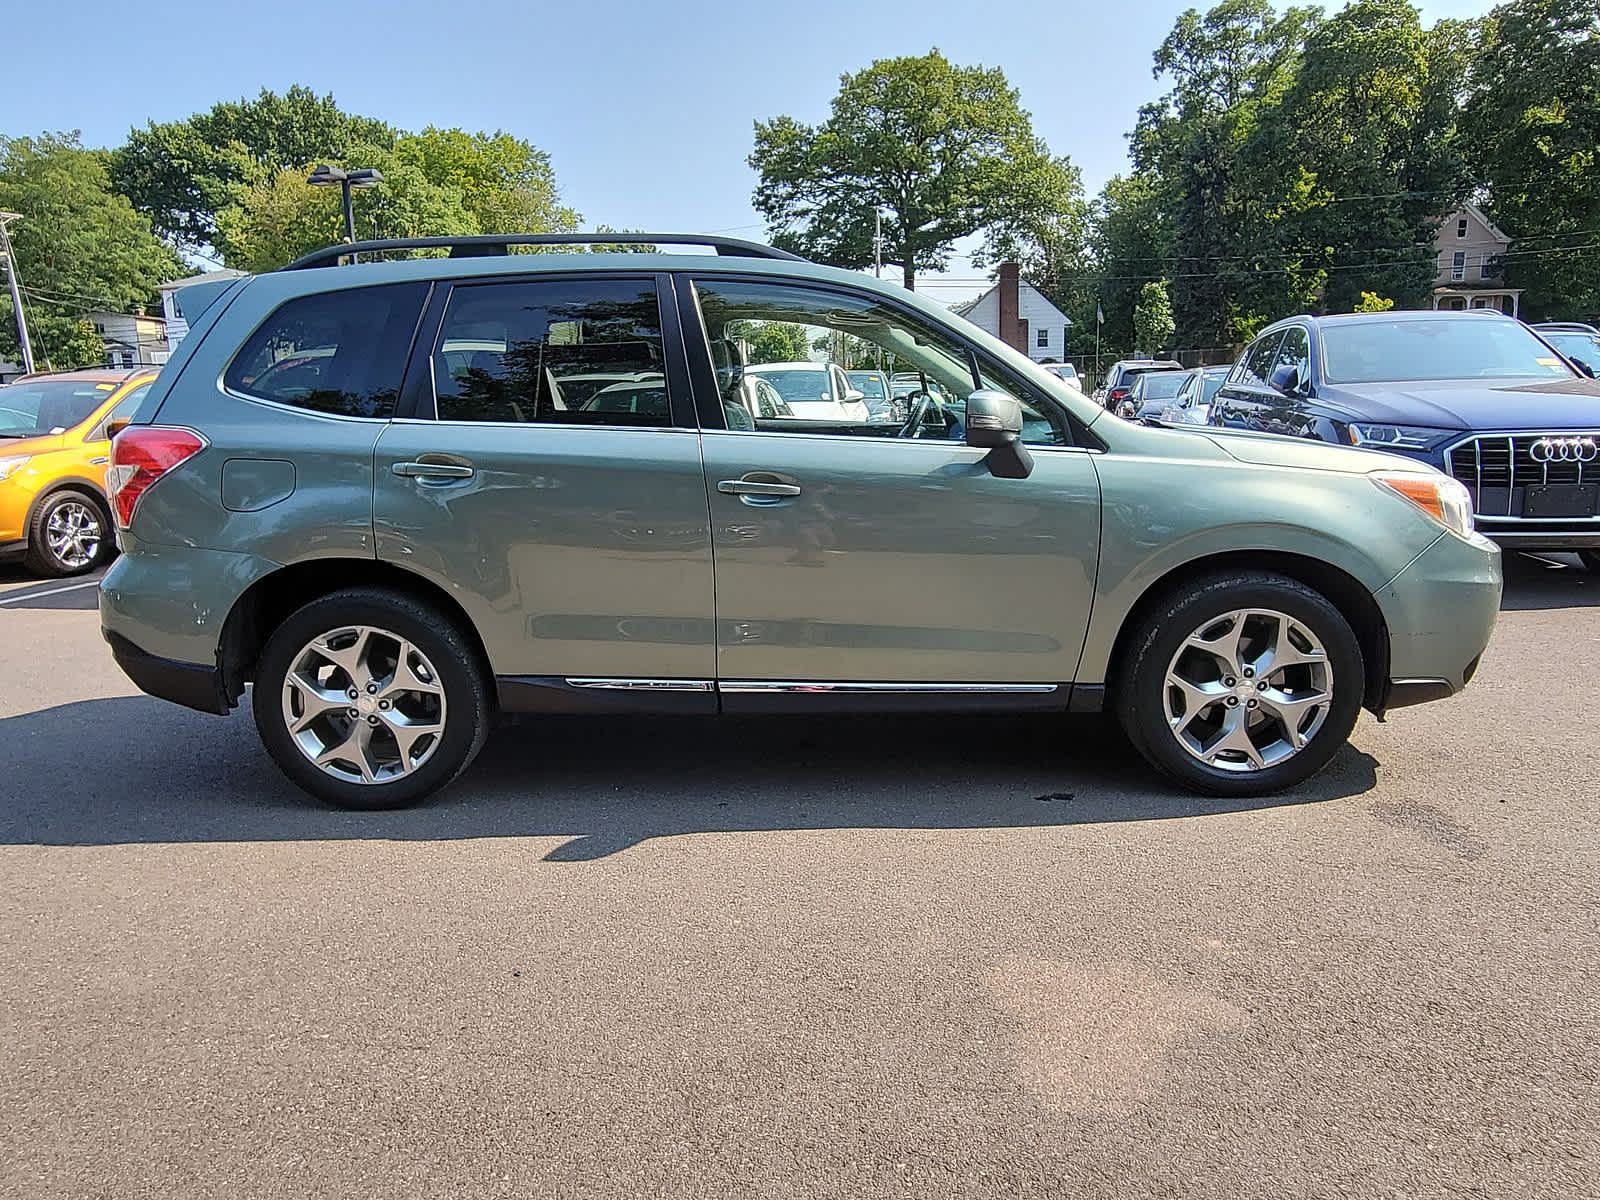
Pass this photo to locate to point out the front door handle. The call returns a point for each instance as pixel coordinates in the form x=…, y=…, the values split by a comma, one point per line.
x=432, y=470
x=758, y=491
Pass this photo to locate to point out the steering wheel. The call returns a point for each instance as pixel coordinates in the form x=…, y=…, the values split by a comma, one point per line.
x=922, y=406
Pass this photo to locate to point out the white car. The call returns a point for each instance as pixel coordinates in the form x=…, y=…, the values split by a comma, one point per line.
x=1067, y=373
x=815, y=391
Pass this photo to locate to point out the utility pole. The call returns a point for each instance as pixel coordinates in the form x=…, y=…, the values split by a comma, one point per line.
x=16, y=291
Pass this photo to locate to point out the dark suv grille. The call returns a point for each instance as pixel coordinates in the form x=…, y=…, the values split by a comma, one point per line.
x=1499, y=468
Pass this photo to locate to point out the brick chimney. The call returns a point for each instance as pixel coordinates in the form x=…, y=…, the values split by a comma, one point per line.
x=1011, y=332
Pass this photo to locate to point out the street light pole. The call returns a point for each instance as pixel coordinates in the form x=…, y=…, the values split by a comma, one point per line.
x=16, y=291
x=360, y=177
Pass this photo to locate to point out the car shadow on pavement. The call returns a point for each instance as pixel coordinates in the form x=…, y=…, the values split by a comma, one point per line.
x=134, y=770
x=1548, y=581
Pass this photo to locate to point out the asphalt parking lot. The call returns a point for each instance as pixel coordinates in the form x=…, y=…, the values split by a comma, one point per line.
x=818, y=958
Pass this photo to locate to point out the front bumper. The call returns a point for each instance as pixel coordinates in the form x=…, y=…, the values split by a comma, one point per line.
x=1441, y=611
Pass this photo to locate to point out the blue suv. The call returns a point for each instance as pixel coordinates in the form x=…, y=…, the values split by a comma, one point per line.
x=1476, y=394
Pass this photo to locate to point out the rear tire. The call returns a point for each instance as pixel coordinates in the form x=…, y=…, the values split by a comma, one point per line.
x=368, y=699
x=1240, y=684
x=70, y=534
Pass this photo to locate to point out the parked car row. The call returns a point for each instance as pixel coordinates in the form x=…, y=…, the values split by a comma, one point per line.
x=1512, y=412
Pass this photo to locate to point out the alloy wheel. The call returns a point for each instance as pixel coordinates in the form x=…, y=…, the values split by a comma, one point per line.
x=74, y=533
x=363, y=704
x=1248, y=690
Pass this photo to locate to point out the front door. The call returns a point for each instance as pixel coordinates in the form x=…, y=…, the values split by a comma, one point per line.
x=550, y=481
x=884, y=554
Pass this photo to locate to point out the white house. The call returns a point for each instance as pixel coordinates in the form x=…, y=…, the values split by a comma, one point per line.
x=1469, y=276
x=177, y=326
x=1017, y=313
x=131, y=339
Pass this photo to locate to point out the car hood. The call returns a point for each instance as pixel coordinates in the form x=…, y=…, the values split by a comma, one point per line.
x=1474, y=404
x=43, y=444
x=1275, y=450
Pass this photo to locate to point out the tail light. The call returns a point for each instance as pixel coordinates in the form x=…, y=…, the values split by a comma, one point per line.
x=140, y=455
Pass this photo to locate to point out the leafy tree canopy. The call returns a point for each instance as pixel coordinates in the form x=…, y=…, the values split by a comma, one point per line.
x=942, y=150
x=79, y=247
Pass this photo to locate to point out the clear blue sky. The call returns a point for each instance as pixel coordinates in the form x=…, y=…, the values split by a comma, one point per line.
x=646, y=109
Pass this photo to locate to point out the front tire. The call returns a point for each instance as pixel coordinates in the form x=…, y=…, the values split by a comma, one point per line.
x=1241, y=684
x=70, y=534
x=367, y=699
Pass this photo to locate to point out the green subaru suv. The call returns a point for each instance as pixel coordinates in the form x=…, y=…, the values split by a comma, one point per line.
x=402, y=496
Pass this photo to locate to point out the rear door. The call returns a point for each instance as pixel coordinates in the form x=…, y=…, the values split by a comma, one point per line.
x=572, y=525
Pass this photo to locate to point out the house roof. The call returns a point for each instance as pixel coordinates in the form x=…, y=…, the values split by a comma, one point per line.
x=1487, y=224
x=967, y=306
x=204, y=277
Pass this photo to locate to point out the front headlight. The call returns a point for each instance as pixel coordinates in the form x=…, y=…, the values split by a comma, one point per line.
x=1442, y=498
x=1395, y=437
x=9, y=466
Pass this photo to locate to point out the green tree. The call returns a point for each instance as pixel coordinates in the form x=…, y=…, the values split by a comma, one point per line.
x=183, y=173
x=1532, y=123
x=1131, y=244
x=944, y=151
x=1153, y=325
x=80, y=247
x=1372, y=302
x=773, y=341
x=438, y=182
x=1047, y=235
x=1371, y=119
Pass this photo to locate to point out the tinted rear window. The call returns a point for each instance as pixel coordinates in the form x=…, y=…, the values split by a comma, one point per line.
x=336, y=352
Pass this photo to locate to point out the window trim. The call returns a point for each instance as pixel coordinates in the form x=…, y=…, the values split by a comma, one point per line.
x=1458, y=266
x=702, y=375
x=419, y=400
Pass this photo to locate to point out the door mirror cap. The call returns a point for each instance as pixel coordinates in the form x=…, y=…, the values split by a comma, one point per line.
x=117, y=425
x=851, y=396
x=1285, y=378
x=993, y=419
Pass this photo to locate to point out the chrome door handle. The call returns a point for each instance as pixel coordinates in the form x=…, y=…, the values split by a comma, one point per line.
x=752, y=487
x=429, y=470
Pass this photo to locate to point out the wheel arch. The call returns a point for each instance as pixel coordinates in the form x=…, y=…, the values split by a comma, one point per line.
x=71, y=483
x=1341, y=589
x=265, y=604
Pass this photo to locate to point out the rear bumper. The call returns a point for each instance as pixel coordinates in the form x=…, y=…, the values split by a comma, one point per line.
x=192, y=685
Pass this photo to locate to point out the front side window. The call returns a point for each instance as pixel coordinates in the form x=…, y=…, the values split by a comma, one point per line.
x=797, y=339
x=1295, y=352
x=1255, y=368
x=125, y=407
x=335, y=352
x=556, y=351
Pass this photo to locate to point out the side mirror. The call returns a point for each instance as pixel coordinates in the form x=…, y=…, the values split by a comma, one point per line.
x=994, y=423
x=851, y=396
x=1285, y=378
x=117, y=425
x=1583, y=366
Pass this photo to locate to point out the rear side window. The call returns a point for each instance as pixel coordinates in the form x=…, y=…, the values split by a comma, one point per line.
x=335, y=352
x=554, y=351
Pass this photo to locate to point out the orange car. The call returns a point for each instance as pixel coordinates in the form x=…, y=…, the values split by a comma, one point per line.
x=53, y=455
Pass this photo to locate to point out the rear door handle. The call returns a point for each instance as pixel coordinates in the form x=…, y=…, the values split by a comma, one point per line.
x=753, y=487
x=430, y=470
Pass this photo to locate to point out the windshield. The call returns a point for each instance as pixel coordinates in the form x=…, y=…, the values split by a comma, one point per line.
x=1464, y=348
x=1161, y=386
x=799, y=387
x=30, y=409
x=868, y=383
x=1576, y=345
